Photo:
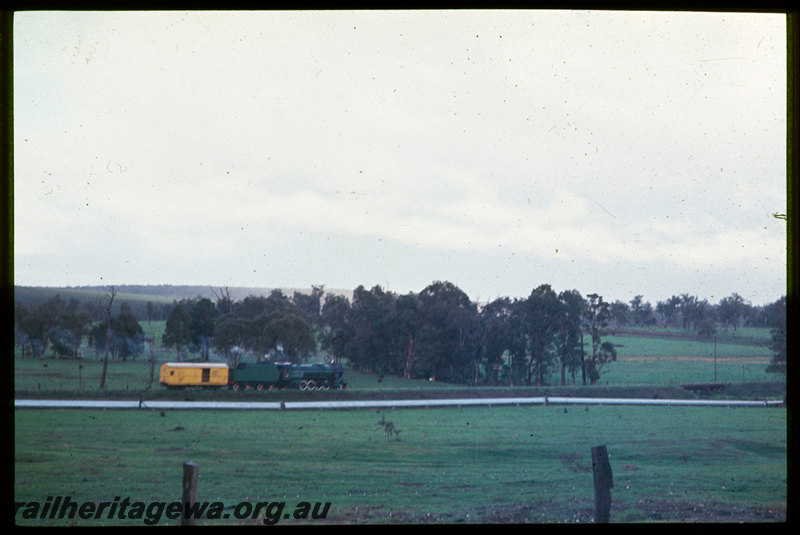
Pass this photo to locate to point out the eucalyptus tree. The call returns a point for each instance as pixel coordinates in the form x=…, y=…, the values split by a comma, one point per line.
x=287, y=331
x=178, y=331
x=203, y=315
x=277, y=301
x=569, y=335
x=496, y=336
x=250, y=307
x=309, y=305
x=773, y=314
x=706, y=328
x=23, y=327
x=776, y=314
x=447, y=338
x=518, y=349
x=406, y=320
x=463, y=363
x=231, y=334
x=620, y=312
x=597, y=316
x=541, y=325
x=338, y=332
x=127, y=335
x=48, y=316
x=149, y=310
x=731, y=309
x=641, y=311
x=692, y=311
x=32, y=327
x=669, y=309
x=371, y=347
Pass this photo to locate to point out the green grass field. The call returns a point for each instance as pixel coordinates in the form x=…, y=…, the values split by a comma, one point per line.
x=671, y=373
x=518, y=464
x=640, y=346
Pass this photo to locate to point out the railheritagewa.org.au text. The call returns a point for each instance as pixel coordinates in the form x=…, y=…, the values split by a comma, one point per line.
x=64, y=508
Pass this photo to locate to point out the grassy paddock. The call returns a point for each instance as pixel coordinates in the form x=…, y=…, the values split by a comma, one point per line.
x=34, y=376
x=670, y=372
x=52, y=374
x=641, y=346
x=505, y=464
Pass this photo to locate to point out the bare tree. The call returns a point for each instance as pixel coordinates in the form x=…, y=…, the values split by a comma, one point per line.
x=152, y=358
x=108, y=337
x=224, y=301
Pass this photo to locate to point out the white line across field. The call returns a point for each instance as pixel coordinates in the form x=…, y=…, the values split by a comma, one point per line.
x=372, y=404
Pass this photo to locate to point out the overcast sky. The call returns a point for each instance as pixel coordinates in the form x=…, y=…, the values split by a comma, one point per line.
x=615, y=153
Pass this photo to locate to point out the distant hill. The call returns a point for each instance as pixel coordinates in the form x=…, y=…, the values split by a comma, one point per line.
x=176, y=293
x=137, y=296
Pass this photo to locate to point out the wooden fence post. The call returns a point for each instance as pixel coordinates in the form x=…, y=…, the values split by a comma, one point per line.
x=190, y=471
x=603, y=483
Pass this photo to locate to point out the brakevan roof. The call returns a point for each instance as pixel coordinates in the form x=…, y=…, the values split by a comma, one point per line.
x=196, y=364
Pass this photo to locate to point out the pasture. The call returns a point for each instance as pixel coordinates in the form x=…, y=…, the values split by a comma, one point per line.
x=500, y=464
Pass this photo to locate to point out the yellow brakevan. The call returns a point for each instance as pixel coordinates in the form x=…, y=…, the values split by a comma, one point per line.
x=183, y=374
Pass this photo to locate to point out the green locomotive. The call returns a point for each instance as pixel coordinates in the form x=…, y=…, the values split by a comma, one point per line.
x=263, y=375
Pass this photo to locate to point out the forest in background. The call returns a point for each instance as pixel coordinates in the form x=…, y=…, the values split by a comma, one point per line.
x=438, y=333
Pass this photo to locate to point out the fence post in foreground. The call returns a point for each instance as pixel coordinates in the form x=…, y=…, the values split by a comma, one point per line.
x=603, y=483
x=190, y=471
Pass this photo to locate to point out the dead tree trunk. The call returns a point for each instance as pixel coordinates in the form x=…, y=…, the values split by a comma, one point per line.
x=108, y=339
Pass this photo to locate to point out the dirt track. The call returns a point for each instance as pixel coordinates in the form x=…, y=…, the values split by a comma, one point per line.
x=544, y=512
x=735, y=360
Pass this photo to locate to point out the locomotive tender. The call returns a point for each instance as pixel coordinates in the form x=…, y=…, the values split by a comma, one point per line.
x=259, y=376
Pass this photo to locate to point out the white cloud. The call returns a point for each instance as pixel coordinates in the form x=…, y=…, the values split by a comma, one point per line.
x=631, y=138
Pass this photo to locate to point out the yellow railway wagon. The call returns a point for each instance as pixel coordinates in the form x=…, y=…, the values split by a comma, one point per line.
x=183, y=374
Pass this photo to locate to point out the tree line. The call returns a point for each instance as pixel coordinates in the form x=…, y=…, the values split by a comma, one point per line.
x=436, y=334
x=63, y=327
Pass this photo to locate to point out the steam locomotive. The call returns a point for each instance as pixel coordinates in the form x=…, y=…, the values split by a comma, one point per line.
x=258, y=376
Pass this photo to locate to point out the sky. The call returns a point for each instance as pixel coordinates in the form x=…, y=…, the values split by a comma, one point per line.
x=617, y=153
